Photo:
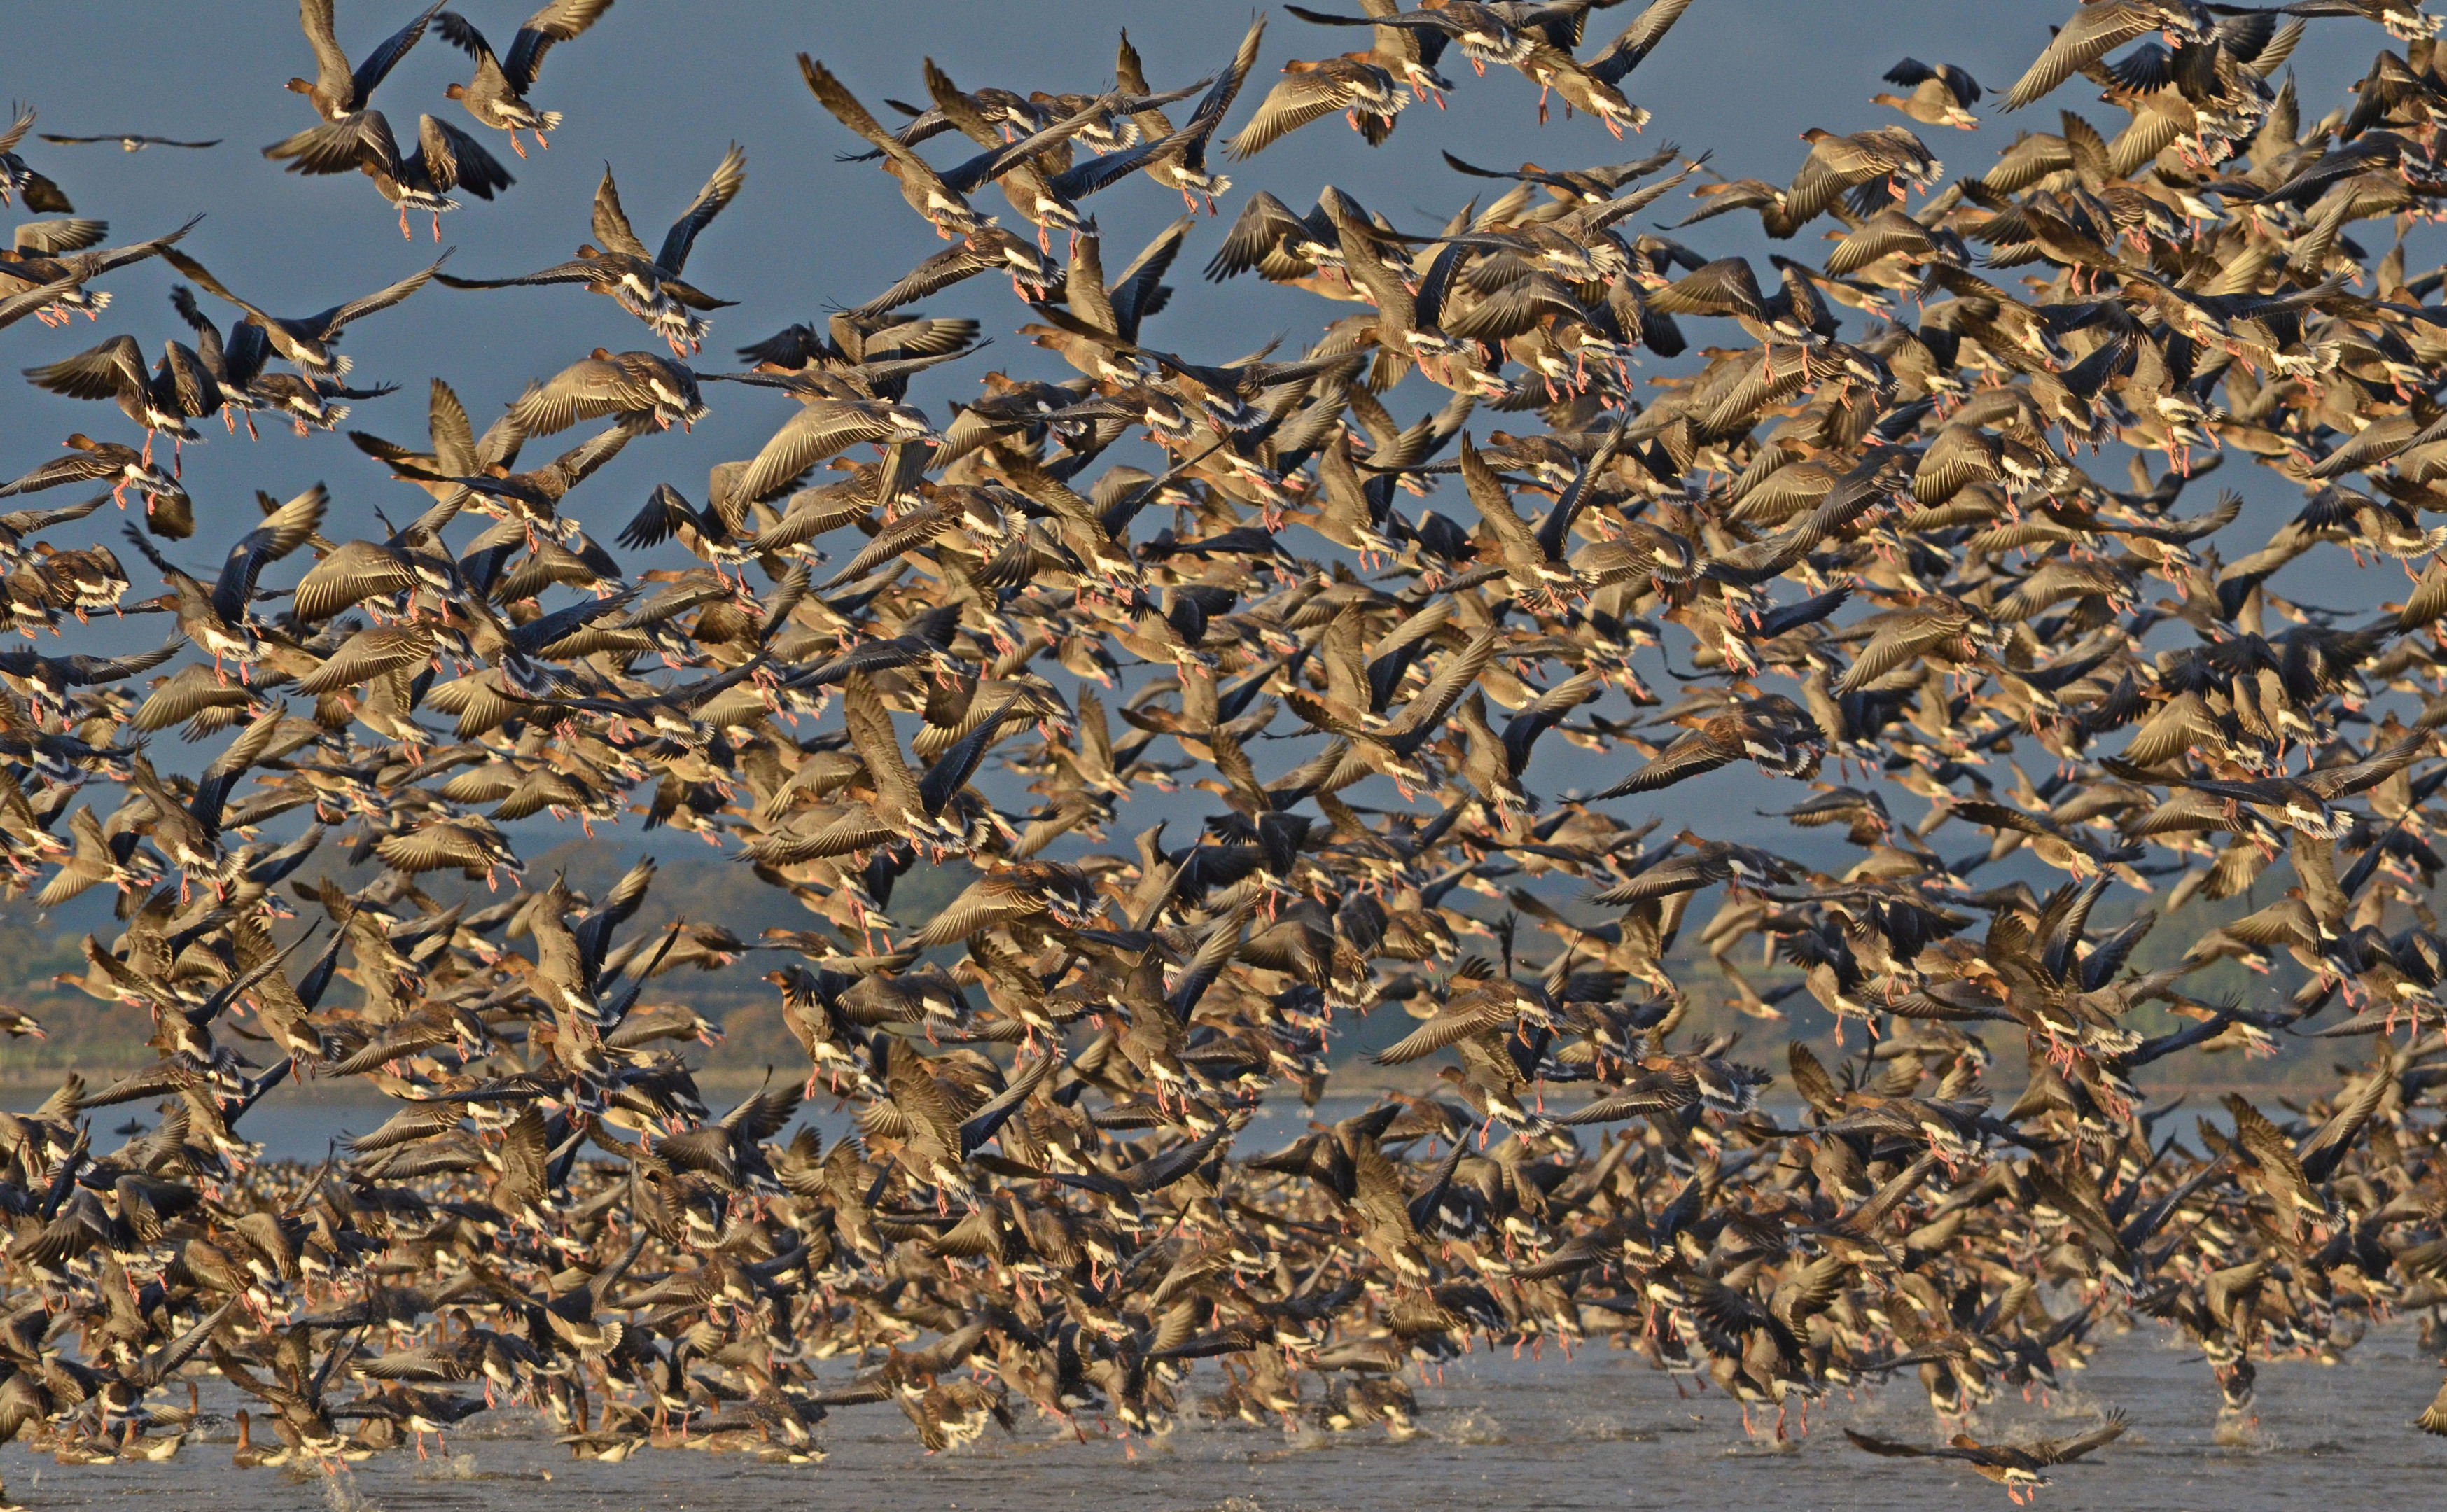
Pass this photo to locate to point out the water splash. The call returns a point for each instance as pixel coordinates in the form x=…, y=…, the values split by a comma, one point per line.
x=342, y=1494
x=447, y=1467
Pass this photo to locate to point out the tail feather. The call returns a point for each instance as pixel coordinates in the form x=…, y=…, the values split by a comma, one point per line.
x=2434, y=1420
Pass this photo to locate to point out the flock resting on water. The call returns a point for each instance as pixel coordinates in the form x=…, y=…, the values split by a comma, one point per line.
x=1876, y=527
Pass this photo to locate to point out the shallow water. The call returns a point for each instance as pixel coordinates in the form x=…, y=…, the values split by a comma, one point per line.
x=1603, y=1432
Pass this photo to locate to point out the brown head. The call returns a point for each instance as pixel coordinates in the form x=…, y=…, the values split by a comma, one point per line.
x=304, y=87
x=457, y=91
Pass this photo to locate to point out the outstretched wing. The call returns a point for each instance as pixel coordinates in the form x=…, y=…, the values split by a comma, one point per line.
x=330, y=322
x=835, y=97
x=333, y=76
x=283, y=531
x=560, y=21
x=203, y=279
x=1425, y=715
x=2064, y=1451
x=2344, y=782
x=579, y=269
x=612, y=222
x=718, y=191
x=105, y=371
x=2094, y=31
x=379, y=63
x=1896, y=1450
x=49, y=238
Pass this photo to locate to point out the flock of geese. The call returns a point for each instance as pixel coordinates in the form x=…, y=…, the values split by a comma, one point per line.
x=1865, y=528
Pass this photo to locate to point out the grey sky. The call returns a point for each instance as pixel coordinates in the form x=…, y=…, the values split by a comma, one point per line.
x=658, y=88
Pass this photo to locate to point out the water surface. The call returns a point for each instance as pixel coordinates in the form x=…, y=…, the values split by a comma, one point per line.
x=1602, y=1430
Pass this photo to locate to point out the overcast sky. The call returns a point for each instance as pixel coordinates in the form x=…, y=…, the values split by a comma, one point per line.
x=658, y=90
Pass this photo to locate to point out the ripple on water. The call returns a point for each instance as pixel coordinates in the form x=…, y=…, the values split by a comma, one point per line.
x=1607, y=1430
